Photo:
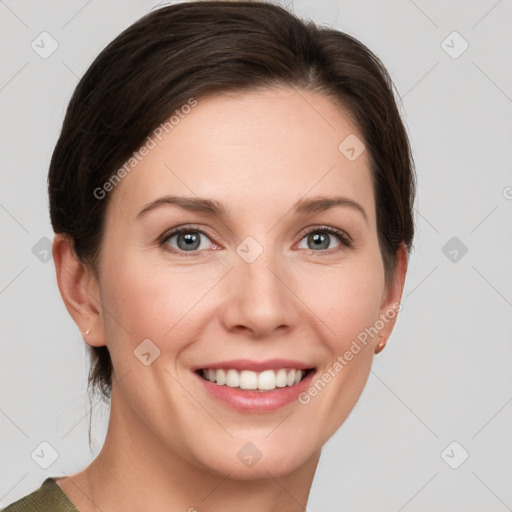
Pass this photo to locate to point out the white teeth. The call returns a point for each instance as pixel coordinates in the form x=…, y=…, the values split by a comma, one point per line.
x=247, y=379
x=232, y=379
x=220, y=377
x=281, y=378
x=267, y=380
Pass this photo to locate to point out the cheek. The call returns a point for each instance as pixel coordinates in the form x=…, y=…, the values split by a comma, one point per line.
x=148, y=302
x=348, y=306
x=151, y=300
x=346, y=300
x=144, y=307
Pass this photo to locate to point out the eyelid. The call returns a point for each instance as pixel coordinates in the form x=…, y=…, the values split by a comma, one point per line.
x=185, y=227
x=330, y=229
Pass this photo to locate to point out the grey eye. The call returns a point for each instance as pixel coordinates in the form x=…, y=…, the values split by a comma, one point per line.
x=320, y=240
x=187, y=240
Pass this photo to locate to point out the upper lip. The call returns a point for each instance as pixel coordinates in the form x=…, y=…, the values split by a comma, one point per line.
x=255, y=366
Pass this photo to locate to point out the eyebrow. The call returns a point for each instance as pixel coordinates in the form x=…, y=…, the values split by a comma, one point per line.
x=321, y=204
x=218, y=209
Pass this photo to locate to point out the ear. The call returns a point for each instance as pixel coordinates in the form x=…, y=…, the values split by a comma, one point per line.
x=390, y=304
x=79, y=290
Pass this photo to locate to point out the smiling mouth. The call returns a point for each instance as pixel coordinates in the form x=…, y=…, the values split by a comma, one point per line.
x=248, y=380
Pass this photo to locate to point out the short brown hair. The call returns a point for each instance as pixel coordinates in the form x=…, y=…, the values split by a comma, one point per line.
x=197, y=48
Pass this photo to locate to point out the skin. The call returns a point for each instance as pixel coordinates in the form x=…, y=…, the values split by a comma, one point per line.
x=169, y=446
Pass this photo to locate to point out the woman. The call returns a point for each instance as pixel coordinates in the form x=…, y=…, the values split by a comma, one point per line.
x=232, y=197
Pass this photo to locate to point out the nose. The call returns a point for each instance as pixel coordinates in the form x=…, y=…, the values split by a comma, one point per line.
x=259, y=298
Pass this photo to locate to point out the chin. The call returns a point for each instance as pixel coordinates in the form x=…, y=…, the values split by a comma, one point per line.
x=245, y=461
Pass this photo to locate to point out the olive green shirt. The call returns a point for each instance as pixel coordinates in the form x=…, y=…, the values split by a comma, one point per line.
x=48, y=498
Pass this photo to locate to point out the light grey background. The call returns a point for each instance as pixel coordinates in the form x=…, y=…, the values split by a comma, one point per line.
x=446, y=373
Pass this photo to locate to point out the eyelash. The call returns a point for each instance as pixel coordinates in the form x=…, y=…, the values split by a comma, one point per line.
x=344, y=239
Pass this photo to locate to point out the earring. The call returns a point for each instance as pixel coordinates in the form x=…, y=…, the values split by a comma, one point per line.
x=87, y=332
x=381, y=345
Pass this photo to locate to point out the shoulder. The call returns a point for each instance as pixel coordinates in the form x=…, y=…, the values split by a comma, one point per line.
x=48, y=498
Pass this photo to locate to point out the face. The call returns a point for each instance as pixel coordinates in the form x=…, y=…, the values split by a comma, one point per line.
x=221, y=253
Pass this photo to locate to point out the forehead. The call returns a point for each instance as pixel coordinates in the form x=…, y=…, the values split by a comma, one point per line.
x=245, y=147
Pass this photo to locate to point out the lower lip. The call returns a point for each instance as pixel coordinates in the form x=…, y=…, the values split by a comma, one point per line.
x=257, y=401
